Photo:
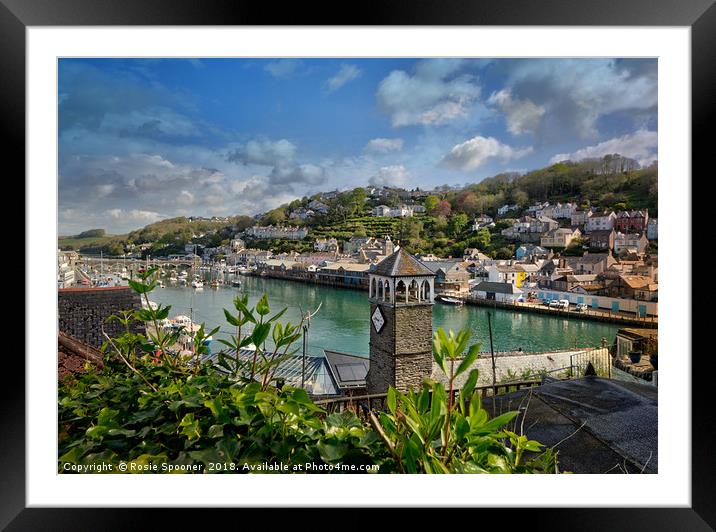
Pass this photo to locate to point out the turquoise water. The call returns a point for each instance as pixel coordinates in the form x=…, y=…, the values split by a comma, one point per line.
x=343, y=321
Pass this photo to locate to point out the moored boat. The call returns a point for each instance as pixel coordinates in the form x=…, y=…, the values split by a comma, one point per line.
x=450, y=300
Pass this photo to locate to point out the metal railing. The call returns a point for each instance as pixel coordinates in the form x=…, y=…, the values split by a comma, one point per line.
x=362, y=405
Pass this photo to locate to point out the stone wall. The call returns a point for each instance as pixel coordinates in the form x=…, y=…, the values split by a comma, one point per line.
x=82, y=311
x=505, y=365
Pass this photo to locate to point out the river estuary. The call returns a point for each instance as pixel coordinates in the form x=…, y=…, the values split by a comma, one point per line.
x=343, y=320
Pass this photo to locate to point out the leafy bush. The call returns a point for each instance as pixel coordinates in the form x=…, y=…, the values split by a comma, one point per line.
x=153, y=408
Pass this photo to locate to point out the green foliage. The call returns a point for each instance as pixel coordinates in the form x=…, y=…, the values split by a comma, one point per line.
x=158, y=411
x=91, y=233
x=431, y=432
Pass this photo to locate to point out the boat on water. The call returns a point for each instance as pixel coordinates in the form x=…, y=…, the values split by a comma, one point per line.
x=215, y=283
x=197, y=283
x=450, y=300
x=236, y=282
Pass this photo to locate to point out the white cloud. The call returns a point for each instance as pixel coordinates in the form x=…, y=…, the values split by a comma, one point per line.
x=134, y=215
x=283, y=68
x=640, y=145
x=474, y=152
x=435, y=94
x=383, y=145
x=522, y=116
x=345, y=74
x=393, y=176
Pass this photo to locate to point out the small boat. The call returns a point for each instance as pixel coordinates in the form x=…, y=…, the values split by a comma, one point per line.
x=236, y=282
x=450, y=300
x=215, y=283
x=196, y=283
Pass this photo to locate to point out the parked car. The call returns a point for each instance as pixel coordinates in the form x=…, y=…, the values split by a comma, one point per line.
x=555, y=304
x=564, y=304
x=581, y=307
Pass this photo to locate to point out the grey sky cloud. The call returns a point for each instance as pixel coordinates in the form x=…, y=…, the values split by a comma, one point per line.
x=435, y=94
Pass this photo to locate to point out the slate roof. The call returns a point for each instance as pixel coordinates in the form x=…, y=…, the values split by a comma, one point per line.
x=499, y=288
x=348, y=371
x=401, y=263
x=318, y=379
x=601, y=425
x=72, y=355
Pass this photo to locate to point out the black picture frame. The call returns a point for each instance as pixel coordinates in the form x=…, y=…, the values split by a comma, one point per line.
x=17, y=15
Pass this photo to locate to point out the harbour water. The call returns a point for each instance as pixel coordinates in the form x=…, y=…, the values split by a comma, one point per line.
x=343, y=320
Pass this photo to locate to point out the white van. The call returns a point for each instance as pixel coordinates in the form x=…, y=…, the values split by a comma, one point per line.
x=564, y=304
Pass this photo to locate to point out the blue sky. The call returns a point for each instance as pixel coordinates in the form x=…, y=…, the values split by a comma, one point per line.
x=145, y=139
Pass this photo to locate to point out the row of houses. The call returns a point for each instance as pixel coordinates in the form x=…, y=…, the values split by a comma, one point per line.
x=543, y=217
x=288, y=232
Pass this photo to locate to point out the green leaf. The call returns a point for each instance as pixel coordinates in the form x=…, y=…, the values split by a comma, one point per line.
x=262, y=307
x=190, y=427
x=392, y=401
x=469, y=359
x=231, y=319
x=332, y=450
x=259, y=334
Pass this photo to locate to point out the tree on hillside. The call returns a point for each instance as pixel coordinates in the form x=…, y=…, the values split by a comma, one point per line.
x=430, y=203
x=457, y=223
x=275, y=217
x=91, y=233
x=443, y=208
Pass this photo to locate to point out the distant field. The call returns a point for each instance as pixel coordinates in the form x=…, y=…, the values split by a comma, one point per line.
x=78, y=243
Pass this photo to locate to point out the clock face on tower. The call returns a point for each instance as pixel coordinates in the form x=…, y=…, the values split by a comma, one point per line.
x=377, y=319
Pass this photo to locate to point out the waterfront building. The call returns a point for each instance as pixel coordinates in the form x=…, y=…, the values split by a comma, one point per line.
x=348, y=274
x=507, y=273
x=497, y=291
x=450, y=276
x=66, y=268
x=401, y=294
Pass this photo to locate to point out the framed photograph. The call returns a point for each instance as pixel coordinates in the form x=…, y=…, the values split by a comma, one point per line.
x=404, y=260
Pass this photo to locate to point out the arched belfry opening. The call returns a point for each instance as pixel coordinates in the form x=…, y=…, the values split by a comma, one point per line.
x=401, y=295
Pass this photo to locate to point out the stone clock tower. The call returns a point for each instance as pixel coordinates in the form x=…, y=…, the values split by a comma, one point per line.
x=401, y=294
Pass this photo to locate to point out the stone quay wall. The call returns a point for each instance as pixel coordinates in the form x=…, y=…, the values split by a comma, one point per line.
x=83, y=311
x=513, y=366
